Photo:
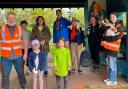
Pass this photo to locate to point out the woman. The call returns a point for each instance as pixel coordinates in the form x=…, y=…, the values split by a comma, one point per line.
x=97, y=11
x=60, y=28
x=111, y=44
x=76, y=44
x=42, y=32
x=93, y=34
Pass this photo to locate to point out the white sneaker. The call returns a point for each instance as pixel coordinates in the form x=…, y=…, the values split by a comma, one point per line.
x=106, y=80
x=111, y=83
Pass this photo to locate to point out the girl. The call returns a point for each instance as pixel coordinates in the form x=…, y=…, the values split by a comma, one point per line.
x=26, y=35
x=61, y=63
x=111, y=45
x=37, y=63
x=76, y=44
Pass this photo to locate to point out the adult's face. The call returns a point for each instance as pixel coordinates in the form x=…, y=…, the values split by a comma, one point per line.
x=40, y=21
x=11, y=19
x=93, y=20
x=95, y=7
x=59, y=14
x=113, y=18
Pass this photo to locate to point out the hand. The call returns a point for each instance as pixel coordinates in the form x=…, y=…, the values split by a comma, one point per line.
x=34, y=70
x=55, y=69
x=69, y=69
x=25, y=56
x=70, y=18
x=88, y=32
x=78, y=25
x=42, y=42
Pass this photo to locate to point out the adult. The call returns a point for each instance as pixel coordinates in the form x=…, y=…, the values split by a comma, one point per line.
x=12, y=52
x=60, y=28
x=97, y=11
x=111, y=44
x=76, y=44
x=93, y=34
x=42, y=33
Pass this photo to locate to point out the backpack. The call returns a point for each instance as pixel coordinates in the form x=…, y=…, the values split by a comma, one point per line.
x=85, y=59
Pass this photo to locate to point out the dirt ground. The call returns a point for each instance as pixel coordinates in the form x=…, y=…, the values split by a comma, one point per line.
x=87, y=80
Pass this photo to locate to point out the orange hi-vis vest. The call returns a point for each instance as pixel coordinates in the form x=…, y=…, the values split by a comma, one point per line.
x=10, y=42
x=113, y=46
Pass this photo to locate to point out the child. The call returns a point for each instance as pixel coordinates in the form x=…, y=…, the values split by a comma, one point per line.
x=61, y=63
x=37, y=63
x=26, y=35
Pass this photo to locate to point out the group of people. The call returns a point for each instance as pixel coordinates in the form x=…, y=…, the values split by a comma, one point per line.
x=104, y=37
x=20, y=47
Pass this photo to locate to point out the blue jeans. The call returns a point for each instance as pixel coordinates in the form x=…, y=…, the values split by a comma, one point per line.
x=58, y=81
x=112, y=68
x=46, y=66
x=6, y=65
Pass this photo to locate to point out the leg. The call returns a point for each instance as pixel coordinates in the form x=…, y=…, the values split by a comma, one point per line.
x=46, y=67
x=34, y=81
x=40, y=76
x=73, y=55
x=18, y=64
x=58, y=81
x=6, y=66
x=79, y=50
x=113, y=68
x=65, y=82
x=108, y=70
x=67, y=44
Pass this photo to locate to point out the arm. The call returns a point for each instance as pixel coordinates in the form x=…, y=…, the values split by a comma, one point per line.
x=68, y=22
x=54, y=33
x=0, y=37
x=114, y=38
x=33, y=34
x=30, y=61
x=48, y=37
x=69, y=59
x=55, y=61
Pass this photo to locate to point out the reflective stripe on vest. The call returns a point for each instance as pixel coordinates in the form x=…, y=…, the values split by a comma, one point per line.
x=113, y=46
x=11, y=42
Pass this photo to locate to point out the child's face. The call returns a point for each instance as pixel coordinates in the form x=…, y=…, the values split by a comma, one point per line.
x=36, y=46
x=61, y=44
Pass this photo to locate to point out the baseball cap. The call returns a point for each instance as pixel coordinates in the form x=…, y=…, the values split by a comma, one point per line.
x=35, y=42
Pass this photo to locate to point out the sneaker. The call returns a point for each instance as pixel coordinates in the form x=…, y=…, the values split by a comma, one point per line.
x=80, y=70
x=106, y=80
x=46, y=73
x=73, y=70
x=111, y=83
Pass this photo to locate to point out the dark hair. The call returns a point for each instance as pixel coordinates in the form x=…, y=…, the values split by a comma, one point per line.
x=62, y=38
x=58, y=10
x=23, y=22
x=114, y=13
x=38, y=19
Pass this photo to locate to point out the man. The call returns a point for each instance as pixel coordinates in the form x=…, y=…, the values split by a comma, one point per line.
x=11, y=52
x=60, y=28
